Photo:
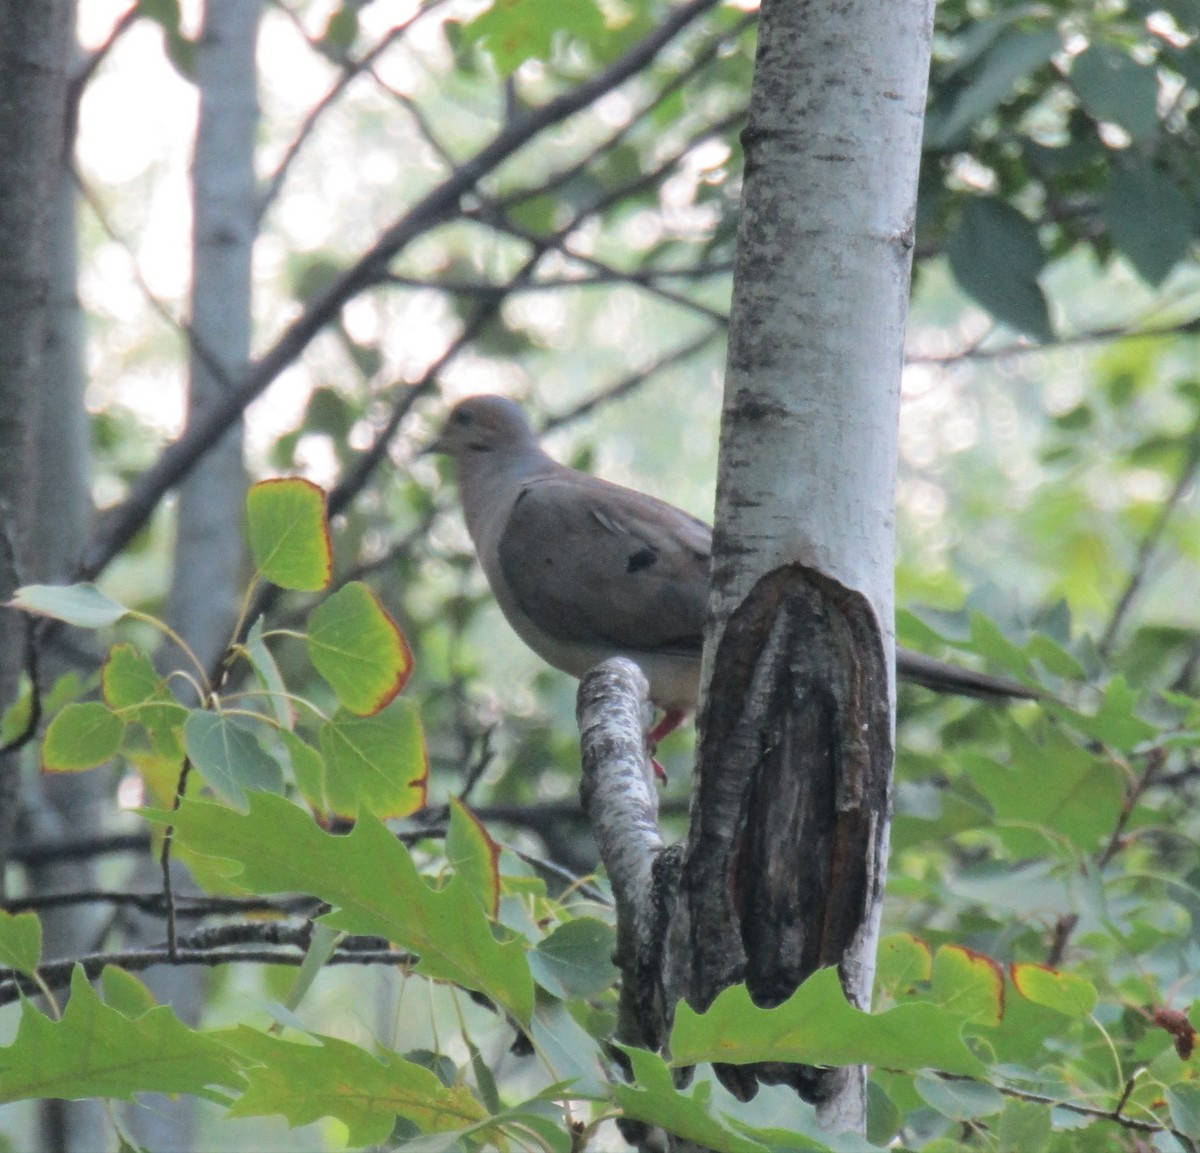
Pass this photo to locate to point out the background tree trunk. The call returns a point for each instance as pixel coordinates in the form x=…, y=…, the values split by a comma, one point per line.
x=208, y=576
x=35, y=42
x=44, y=494
x=55, y=807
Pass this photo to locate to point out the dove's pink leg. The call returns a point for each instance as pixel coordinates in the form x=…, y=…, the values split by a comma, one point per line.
x=671, y=720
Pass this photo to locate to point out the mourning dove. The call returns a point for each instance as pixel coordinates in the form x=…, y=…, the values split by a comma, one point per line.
x=585, y=570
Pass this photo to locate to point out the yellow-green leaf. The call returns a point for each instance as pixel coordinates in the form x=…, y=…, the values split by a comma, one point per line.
x=359, y=650
x=969, y=984
x=1063, y=992
x=134, y=690
x=82, y=736
x=375, y=764
x=20, y=941
x=474, y=855
x=289, y=533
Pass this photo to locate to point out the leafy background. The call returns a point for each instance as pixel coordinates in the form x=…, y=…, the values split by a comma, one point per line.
x=1046, y=525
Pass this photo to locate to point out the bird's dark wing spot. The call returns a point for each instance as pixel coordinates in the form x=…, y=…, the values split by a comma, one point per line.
x=643, y=558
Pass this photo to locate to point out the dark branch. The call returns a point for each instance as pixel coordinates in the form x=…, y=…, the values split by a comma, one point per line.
x=437, y=206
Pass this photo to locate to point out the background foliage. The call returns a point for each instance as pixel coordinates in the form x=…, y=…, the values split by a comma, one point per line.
x=1034, y=983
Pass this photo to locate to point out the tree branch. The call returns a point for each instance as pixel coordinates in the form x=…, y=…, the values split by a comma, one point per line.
x=124, y=520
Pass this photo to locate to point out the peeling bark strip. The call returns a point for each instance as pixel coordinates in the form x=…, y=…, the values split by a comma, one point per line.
x=786, y=857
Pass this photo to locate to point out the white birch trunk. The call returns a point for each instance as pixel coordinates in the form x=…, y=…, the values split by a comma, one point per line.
x=809, y=429
x=803, y=554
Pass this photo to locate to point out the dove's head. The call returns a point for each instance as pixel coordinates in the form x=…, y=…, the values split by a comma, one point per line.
x=484, y=425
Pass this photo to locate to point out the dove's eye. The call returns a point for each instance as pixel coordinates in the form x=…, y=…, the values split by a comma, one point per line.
x=461, y=417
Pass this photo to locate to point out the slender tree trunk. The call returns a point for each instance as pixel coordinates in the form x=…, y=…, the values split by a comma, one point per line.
x=35, y=44
x=787, y=851
x=40, y=383
x=783, y=869
x=209, y=572
x=208, y=575
x=57, y=807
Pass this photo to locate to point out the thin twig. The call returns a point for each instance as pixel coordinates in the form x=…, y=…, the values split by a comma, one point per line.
x=1095, y=336
x=434, y=208
x=86, y=68
x=703, y=57
x=188, y=905
x=350, y=68
x=165, y=857
x=603, y=275
x=57, y=974
x=1150, y=543
x=195, y=345
x=628, y=383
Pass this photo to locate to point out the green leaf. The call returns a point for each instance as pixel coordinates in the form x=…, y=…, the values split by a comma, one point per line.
x=1063, y=992
x=321, y=946
x=1024, y=1127
x=125, y=992
x=82, y=605
x=20, y=941
x=1183, y=1101
x=968, y=984
x=18, y=717
x=1149, y=217
x=342, y=27
x=989, y=641
x=1054, y=657
x=1114, y=87
x=229, y=756
x=336, y=1079
x=996, y=256
x=708, y=1114
x=81, y=736
x=816, y=1025
x=95, y=1051
x=569, y=1050
x=655, y=1099
x=1050, y=782
x=959, y=1100
x=359, y=650
x=902, y=962
x=308, y=768
x=289, y=534
x=1013, y=56
x=268, y=675
x=375, y=764
x=135, y=692
x=474, y=856
x=1115, y=722
x=513, y=31
x=575, y=960
x=374, y=884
